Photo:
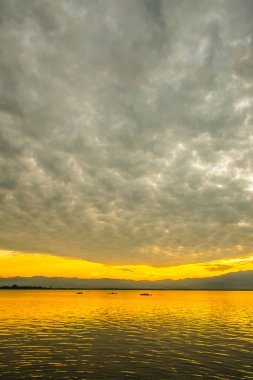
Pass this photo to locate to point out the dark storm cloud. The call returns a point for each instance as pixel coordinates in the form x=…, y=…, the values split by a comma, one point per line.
x=126, y=129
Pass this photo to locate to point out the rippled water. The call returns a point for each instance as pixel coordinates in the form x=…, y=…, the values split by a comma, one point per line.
x=96, y=335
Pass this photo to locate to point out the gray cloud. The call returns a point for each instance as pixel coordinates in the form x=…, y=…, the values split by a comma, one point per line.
x=219, y=267
x=126, y=129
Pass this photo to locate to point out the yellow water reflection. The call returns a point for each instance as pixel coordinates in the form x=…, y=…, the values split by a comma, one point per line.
x=169, y=335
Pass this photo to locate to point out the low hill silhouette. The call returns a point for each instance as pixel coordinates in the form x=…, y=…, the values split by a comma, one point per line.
x=242, y=280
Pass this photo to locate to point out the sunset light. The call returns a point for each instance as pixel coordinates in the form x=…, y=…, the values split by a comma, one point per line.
x=126, y=189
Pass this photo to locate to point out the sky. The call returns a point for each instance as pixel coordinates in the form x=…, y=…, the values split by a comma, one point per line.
x=126, y=138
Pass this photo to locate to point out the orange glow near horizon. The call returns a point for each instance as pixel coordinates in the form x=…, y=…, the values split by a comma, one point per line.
x=33, y=264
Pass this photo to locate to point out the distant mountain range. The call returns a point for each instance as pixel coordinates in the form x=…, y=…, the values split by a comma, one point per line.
x=233, y=281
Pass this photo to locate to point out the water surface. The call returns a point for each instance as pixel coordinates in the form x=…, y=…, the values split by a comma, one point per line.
x=96, y=335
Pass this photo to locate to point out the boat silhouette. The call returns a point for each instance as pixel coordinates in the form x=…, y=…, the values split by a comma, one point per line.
x=79, y=293
x=145, y=294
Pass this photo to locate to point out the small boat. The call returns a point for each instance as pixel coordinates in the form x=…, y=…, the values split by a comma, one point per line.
x=112, y=293
x=79, y=293
x=145, y=294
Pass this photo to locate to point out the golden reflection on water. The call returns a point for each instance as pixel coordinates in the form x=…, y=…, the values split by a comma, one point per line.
x=96, y=335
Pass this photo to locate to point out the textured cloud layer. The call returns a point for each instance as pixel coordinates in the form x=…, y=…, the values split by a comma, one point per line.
x=126, y=129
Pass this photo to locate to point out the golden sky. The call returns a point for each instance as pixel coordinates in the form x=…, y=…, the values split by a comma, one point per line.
x=33, y=264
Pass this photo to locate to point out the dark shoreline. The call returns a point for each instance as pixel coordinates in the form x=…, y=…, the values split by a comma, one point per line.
x=15, y=287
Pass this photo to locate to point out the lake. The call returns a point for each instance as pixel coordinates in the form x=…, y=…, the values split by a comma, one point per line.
x=58, y=334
